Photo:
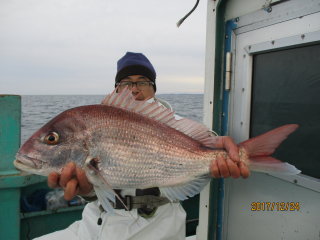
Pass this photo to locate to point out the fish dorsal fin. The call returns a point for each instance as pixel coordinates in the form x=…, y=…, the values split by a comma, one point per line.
x=197, y=131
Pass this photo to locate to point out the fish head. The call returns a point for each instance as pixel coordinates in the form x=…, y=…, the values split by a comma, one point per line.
x=54, y=145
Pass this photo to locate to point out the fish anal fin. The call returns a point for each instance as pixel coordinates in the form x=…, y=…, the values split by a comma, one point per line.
x=190, y=189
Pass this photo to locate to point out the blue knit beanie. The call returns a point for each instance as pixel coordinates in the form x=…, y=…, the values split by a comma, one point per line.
x=135, y=64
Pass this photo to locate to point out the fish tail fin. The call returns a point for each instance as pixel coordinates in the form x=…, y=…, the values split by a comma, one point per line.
x=259, y=148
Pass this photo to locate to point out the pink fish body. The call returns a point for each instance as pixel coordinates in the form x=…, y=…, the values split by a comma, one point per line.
x=124, y=143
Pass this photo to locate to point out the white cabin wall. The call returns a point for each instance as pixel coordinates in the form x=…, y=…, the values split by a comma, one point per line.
x=202, y=229
x=243, y=223
x=236, y=8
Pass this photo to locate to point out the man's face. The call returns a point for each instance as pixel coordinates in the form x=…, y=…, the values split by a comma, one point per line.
x=135, y=91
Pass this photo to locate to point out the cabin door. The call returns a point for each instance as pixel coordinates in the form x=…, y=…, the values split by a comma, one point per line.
x=275, y=81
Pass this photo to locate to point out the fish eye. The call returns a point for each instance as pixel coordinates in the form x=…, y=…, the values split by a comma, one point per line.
x=52, y=138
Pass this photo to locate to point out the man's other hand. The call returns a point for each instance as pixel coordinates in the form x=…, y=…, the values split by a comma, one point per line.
x=232, y=166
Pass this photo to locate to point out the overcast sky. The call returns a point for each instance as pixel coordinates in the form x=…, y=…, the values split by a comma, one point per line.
x=72, y=46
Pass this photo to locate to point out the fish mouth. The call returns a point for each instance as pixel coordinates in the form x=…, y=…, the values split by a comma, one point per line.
x=25, y=162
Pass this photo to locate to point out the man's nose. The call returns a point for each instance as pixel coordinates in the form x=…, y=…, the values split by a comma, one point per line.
x=134, y=88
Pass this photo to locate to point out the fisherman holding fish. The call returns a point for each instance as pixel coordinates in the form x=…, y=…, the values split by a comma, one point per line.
x=132, y=152
x=164, y=219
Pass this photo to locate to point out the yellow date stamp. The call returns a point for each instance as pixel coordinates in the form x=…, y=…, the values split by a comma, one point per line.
x=275, y=206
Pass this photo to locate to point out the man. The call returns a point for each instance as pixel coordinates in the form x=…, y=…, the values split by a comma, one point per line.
x=167, y=221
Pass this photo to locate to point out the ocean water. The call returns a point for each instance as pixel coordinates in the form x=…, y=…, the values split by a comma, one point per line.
x=39, y=109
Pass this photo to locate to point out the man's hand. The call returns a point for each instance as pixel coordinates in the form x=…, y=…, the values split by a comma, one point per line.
x=230, y=166
x=71, y=186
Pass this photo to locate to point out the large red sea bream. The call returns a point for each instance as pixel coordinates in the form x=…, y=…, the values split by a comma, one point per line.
x=124, y=143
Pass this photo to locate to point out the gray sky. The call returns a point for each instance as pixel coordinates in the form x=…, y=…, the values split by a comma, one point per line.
x=72, y=46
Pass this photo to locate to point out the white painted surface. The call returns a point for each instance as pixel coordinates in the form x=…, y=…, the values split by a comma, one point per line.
x=239, y=221
x=236, y=8
x=301, y=180
x=209, y=65
x=191, y=237
x=246, y=224
x=287, y=10
x=202, y=229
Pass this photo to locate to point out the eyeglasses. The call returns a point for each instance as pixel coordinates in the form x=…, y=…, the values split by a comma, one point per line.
x=142, y=86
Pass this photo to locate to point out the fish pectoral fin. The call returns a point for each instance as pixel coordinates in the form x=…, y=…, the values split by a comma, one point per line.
x=108, y=192
x=103, y=197
x=190, y=189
